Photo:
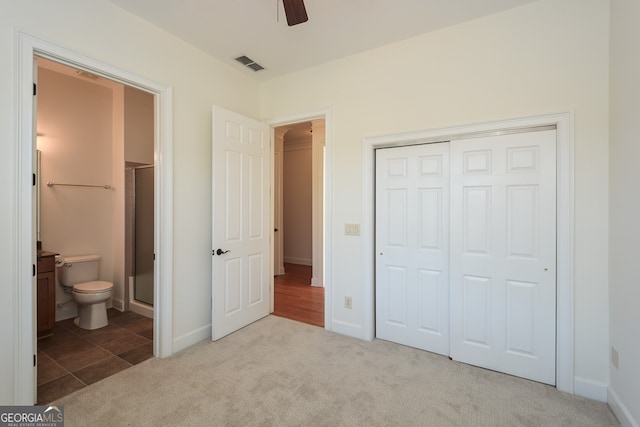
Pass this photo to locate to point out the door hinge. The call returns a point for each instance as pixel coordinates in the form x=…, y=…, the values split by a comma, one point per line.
x=34, y=89
x=34, y=360
x=34, y=270
x=34, y=180
x=154, y=257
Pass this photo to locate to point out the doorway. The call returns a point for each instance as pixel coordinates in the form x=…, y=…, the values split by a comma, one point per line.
x=25, y=247
x=90, y=131
x=299, y=228
x=96, y=152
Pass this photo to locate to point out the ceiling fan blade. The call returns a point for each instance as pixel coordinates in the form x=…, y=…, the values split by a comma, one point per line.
x=295, y=11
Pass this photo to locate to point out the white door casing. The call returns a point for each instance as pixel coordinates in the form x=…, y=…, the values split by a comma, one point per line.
x=412, y=246
x=563, y=122
x=24, y=242
x=241, y=215
x=317, y=202
x=503, y=253
x=502, y=257
x=278, y=202
x=326, y=114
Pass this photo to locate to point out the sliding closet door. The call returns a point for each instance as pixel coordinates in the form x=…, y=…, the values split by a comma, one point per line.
x=503, y=253
x=412, y=246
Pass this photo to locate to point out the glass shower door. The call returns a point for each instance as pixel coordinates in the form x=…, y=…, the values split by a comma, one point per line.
x=143, y=268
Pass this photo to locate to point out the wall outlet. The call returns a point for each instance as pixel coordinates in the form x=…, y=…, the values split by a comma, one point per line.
x=352, y=229
x=347, y=302
x=615, y=357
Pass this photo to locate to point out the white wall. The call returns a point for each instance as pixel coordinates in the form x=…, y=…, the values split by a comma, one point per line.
x=75, y=123
x=106, y=33
x=297, y=194
x=548, y=56
x=624, y=291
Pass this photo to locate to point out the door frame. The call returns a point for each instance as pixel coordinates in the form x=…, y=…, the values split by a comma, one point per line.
x=27, y=47
x=564, y=122
x=327, y=115
x=278, y=205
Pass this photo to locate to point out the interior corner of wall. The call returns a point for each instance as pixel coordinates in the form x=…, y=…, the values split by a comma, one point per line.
x=590, y=389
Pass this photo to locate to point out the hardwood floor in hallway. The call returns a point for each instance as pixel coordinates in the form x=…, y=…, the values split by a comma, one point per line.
x=296, y=299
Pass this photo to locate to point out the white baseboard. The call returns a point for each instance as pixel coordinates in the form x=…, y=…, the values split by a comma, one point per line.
x=316, y=282
x=118, y=304
x=620, y=410
x=299, y=261
x=590, y=389
x=345, y=328
x=68, y=311
x=191, y=338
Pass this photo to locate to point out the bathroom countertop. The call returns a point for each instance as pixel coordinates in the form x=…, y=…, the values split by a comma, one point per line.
x=43, y=254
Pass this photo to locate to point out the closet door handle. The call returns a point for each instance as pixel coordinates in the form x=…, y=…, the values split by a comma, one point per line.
x=221, y=252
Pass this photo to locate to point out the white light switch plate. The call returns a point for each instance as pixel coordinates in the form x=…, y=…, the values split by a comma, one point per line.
x=352, y=229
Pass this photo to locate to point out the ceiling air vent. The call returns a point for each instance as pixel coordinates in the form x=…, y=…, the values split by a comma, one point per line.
x=245, y=60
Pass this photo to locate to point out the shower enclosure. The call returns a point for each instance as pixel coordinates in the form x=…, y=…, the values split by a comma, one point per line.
x=140, y=204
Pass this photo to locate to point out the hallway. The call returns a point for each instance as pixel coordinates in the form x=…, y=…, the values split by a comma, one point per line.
x=296, y=299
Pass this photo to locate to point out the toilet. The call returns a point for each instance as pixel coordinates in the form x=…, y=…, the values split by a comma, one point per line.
x=78, y=275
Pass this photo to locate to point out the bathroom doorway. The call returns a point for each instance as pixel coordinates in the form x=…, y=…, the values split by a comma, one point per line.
x=29, y=49
x=91, y=132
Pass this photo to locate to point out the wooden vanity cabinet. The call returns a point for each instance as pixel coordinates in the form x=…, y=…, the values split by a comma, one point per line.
x=46, y=299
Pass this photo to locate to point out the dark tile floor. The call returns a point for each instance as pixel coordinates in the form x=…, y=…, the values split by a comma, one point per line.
x=72, y=358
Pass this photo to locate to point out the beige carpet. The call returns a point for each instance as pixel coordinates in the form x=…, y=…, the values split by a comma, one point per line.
x=281, y=373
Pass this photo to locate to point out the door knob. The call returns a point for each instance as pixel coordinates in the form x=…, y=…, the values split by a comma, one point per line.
x=221, y=252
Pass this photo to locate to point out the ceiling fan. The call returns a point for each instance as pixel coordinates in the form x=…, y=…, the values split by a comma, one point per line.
x=295, y=12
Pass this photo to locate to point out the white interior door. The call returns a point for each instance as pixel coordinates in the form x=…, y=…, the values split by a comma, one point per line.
x=412, y=246
x=503, y=253
x=241, y=221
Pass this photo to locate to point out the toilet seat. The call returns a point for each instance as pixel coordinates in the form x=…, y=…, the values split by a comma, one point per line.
x=92, y=287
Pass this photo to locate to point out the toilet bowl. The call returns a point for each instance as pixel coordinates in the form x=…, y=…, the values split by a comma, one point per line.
x=92, y=298
x=78, y=275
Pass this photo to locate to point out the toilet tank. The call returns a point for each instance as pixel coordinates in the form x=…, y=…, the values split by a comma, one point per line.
x=78, y=269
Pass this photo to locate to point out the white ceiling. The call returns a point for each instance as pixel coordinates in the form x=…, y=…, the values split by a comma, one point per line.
x=336, y=28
